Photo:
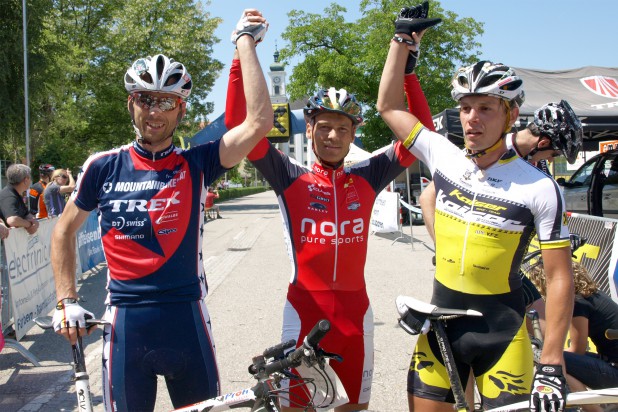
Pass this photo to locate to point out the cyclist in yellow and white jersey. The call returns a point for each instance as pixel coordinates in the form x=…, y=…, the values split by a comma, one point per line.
x=489, y=205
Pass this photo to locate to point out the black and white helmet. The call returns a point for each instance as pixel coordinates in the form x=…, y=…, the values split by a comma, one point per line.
x=487, y=78
x=334, y=101
x=559, y=123
x=158, y=74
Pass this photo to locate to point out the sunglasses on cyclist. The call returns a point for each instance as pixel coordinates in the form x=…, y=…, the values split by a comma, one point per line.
x=63, y=176
x=147, y=102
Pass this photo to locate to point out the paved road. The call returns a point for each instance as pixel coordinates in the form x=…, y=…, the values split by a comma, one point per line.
x=248, y=271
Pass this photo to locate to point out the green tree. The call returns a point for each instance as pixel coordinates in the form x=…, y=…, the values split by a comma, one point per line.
x=78, y=52
x=351, y=55
x=12, y=120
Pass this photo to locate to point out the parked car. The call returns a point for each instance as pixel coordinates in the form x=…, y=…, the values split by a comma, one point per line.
x=593, y=188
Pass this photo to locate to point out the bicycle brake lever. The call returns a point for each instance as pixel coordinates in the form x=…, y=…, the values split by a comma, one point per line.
x=329, y=355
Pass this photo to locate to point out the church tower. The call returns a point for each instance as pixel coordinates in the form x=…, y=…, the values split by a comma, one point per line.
x=277, y=81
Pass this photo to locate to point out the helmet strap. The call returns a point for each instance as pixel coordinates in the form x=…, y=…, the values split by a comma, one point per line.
x=481, y=153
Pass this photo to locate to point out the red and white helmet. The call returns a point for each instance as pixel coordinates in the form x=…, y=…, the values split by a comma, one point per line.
x=487, y=78
x=158, y=74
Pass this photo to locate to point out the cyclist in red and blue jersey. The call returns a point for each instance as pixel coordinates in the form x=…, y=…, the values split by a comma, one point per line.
x=326, y=211
x=150, y=198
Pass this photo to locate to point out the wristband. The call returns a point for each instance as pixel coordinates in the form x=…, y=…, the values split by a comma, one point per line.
x=65, y=301
x=402, y=40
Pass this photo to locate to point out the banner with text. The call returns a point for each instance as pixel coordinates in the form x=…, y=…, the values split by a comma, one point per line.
x=385, y=215
x=89, y=246
x=30, y=274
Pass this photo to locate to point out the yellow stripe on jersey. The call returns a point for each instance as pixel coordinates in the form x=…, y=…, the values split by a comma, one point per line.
x=413, y=135
x=555, y=244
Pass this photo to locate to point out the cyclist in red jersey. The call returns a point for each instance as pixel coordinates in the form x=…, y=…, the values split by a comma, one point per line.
x=326, y=212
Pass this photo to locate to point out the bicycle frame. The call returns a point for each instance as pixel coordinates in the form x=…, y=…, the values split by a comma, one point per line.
x=80, y=375
x=416, y=316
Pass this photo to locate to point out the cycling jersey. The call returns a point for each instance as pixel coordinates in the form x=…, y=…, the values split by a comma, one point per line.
x=36, y=201
x=485, y=220
x=151, y=214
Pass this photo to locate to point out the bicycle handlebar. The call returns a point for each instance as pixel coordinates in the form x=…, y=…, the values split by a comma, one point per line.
x=46, y=322
x=611, y=334
x=294, y=358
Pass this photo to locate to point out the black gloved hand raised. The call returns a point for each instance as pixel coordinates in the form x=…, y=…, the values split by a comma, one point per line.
x=548, y=389
x=414, y=19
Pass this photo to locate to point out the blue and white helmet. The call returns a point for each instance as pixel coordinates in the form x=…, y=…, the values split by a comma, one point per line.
x=158, y=74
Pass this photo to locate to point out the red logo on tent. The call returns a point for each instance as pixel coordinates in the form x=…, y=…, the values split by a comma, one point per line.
x=601, y=85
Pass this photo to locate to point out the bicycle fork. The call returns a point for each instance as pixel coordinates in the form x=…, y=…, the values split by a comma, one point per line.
x=449, y=363
x=82, y=382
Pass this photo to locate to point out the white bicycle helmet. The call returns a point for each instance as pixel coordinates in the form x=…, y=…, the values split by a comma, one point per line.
x=158, y=74
x=487, y=78
x=334, y=101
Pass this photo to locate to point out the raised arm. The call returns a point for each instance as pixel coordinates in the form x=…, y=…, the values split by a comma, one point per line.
x=238, y=142
x=235, y=104
x=391, y=104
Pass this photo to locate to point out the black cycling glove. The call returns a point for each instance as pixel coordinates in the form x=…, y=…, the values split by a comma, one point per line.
x=549, y=389
x=414, y=19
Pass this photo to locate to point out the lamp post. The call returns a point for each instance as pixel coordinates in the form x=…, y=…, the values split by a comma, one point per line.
x=26, y=111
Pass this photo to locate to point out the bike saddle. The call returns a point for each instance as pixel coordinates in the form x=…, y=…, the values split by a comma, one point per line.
x=407, y=303
x=416, y=316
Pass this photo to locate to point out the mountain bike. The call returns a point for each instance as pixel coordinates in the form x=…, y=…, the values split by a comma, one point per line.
x=80, y=375
x=273, y=368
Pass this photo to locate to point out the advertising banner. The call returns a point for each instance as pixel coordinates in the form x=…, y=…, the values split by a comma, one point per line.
x=30, y=274
x=385, y=215
x=89, y=246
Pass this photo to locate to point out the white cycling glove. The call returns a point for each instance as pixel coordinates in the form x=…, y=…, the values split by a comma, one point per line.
x=244, y=26
x=70, y=314
x=549, y=389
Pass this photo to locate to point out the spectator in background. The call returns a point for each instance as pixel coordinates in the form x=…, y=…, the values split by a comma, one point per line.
x=62, y=183
x=210, y=200
x=13, y=209
x=35, y=194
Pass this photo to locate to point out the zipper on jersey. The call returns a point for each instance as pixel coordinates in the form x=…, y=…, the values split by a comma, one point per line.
x=153, y=178
x=336, y=206
x=465, y=244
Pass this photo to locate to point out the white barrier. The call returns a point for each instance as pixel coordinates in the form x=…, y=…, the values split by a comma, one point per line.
x=31, y=279
x=384, y=218
x=26, y=277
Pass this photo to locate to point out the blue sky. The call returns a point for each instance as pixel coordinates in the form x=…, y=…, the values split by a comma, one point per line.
x=535, y=34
